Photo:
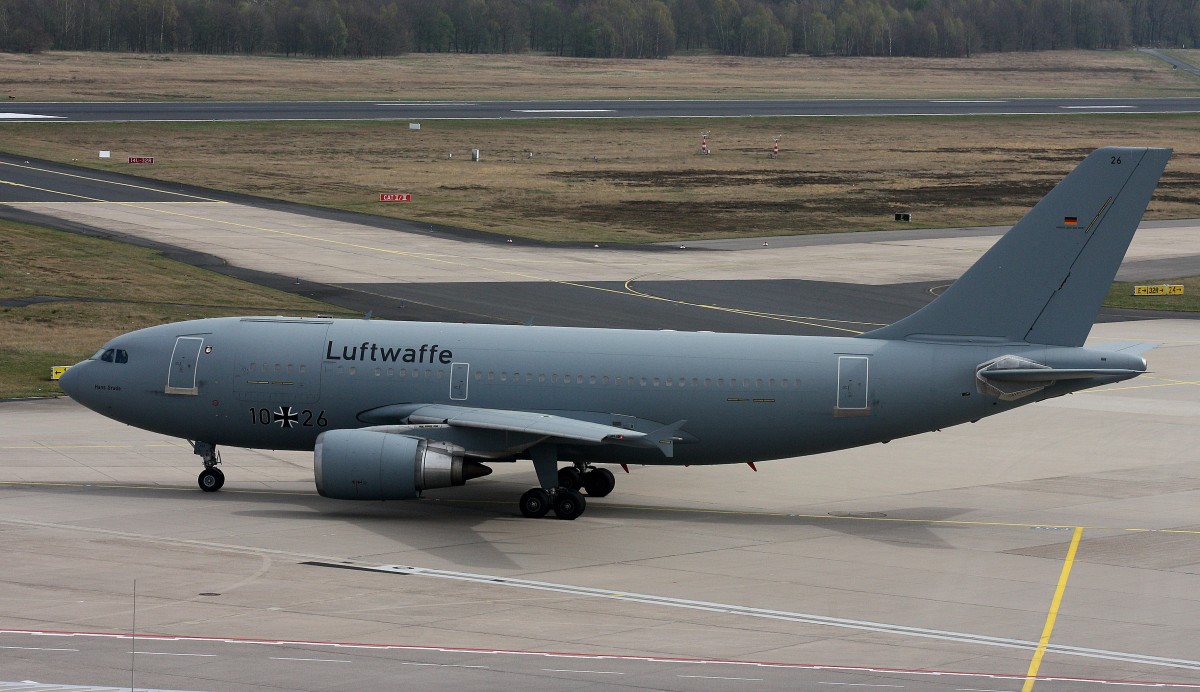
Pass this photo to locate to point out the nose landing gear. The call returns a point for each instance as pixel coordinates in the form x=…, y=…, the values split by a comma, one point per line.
x=210, y=479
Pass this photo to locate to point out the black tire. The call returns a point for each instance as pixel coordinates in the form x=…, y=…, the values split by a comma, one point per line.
x=535, y=503
x=599, y=482
x=569, y=504
x=211, y=480
x=570, y=477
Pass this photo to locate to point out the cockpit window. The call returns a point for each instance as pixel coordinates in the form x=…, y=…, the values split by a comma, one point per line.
x=107, y=356
x=97, y=354
x=122, y=356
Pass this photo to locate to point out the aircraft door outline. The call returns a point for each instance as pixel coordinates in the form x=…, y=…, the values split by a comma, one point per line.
x=853, y=386
x=459, y=380
x=185, y=359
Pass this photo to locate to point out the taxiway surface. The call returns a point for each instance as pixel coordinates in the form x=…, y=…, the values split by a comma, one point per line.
x=934, y=562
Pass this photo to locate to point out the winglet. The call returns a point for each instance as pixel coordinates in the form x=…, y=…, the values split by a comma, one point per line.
x=665, y=437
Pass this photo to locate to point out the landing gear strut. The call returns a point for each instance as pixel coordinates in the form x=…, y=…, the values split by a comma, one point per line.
x=211, y=479
x=558, y=490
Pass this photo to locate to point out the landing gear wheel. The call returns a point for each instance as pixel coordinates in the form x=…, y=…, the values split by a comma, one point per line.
x=570, y=477
x=568, y=504
x=211, y=480
x=599, y=482
x=535, y=503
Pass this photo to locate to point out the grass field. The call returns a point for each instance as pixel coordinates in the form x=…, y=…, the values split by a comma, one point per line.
x=134, y=77
x=106, y=288
x=642, y=181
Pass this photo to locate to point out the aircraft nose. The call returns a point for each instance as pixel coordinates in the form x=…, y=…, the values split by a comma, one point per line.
x=70, y=381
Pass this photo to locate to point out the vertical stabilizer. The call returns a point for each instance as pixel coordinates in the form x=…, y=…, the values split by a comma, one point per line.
x=1044, y=281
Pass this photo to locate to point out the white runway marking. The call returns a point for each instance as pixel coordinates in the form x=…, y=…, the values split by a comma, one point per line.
x=168, y=653
x=316, y=660
x=432, y=103
x=26, y=116
x=1094, y=107
x=35, y=648
x=808, y=618
x=568, y=110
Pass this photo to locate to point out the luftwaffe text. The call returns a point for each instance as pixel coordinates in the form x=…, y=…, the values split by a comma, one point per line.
x=369, y=351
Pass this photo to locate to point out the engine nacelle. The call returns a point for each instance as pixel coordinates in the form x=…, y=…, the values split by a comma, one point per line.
x=369, y=465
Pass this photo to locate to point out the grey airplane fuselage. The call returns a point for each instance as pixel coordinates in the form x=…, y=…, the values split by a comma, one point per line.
x=277, y=383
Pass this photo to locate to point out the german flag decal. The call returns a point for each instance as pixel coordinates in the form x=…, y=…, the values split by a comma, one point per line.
x=1071, y=220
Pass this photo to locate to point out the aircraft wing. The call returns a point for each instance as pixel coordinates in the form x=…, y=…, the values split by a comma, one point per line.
x=546, y=425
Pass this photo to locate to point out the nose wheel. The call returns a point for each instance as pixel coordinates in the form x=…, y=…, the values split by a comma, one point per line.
x=211, y=480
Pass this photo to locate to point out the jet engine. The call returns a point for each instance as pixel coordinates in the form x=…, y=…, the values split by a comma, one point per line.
x=370, y=465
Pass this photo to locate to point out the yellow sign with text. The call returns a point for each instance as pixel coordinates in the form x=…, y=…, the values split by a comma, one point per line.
x=1159, y=290
x=57, y=371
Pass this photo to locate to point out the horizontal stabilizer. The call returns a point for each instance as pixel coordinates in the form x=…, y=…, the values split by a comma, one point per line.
x=1055, y=374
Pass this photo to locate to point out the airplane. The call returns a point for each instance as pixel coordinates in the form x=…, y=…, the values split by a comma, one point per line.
x=392, y=409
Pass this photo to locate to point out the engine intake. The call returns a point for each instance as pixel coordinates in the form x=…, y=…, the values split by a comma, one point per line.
x=369, y=465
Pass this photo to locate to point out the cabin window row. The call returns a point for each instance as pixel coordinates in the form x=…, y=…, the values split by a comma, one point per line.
x=566, y=379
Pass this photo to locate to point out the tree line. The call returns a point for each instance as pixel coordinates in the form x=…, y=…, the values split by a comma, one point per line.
x=595, y=28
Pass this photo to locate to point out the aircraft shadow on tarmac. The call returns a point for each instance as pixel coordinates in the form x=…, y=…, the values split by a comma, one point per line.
x=449, y=526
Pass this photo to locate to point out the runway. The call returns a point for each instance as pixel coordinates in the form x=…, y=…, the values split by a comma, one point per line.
x=185, y=111
x=930, y=563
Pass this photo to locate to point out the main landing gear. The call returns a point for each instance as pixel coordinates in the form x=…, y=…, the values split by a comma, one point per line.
x=559, y=489
x=211, y=479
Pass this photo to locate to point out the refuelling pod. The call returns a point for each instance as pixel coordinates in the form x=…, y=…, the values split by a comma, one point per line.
x=368, y=465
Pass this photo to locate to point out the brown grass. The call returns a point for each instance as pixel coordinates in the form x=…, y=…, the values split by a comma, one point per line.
x=126, y=288
x=121, y=76
x=641, y=181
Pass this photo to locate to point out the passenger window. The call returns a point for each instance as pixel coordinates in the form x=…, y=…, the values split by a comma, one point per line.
x=108, y=356
x=352, y=370
x=122, y=356
x=591, y=379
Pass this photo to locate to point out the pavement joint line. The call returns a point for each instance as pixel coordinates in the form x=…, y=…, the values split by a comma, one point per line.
x=802, y=618
x=1173, y=383
x=1052, y=615
x=648, y=658
x=198, y=198
x=681, y=510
